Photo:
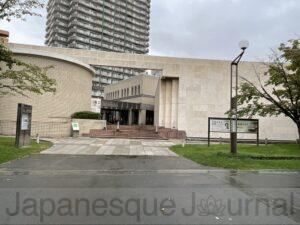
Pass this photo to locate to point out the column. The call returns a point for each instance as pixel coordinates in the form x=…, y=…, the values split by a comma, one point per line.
x=162, y=103
x=142, y=117
x=174, y=116
x=104, y=116
x=130, y=117
x=168, y=103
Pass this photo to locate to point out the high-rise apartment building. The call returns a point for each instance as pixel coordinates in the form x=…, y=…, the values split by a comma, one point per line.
x=107, y=25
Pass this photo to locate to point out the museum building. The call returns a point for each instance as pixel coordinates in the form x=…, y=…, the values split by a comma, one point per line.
x=188, y=92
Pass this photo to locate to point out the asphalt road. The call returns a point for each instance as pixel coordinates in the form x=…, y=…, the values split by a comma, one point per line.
x=69, y=189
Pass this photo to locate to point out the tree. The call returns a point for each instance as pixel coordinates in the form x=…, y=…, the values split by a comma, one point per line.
x=18, y=9
x=17, y=77
x=20, y=78
x=279, y=93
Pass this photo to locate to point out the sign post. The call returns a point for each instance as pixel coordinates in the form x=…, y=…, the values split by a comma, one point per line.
x=23, y=128
x=75, y=129
x=223, y=125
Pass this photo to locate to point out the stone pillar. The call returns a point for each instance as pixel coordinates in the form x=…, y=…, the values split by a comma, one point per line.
x=162, y=103
x=130, y=117
x=104, y=115
x=142, y=117
x=168, y=103
x=174, y=117
x=118, y=115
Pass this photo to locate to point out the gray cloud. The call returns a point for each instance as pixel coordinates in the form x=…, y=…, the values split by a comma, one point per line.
x=212, y=28
x=201, y=28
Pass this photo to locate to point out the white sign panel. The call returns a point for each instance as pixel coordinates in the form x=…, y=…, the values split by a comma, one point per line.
x=96, y=105
x=247, y=126
x=75, y=126
x=223, y=126
x=25, y=121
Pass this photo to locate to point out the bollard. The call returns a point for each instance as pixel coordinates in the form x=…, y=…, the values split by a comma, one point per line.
x=37, y=138
x=221, y=140
x=266, y=141
x=183, y=143
x=118, y=126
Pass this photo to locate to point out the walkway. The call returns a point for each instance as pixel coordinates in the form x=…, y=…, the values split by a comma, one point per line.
x=122, y=147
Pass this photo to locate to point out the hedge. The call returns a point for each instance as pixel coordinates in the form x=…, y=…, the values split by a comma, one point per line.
x=86, y=115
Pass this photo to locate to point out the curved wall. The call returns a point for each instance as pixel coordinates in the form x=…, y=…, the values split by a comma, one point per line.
x=74, y=85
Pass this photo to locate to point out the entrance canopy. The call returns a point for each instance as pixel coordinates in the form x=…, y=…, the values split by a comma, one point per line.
x=117, y=105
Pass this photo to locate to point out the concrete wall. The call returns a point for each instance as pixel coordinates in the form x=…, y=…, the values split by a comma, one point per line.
x=86, y=125
x=203, y=89
x=51, y=112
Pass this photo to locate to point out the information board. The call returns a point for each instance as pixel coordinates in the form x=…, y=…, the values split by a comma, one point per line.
x=222, y=125
x=219, y=125
x=23, y=126
x=25, y=122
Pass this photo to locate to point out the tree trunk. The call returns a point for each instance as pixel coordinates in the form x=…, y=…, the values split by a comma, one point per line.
x=298, y=125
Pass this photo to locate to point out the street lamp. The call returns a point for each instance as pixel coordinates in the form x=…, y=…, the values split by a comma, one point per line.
x=244, y=44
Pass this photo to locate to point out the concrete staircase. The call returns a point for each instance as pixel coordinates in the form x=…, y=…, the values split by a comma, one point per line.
x=130, y=132
x=136, y=132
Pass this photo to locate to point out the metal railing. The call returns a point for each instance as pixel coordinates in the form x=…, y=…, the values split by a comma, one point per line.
x=43, y=129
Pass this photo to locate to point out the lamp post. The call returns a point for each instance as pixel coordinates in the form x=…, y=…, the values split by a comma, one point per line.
x=244, y=44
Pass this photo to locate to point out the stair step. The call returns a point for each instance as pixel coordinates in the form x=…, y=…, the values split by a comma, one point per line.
x=137, y=132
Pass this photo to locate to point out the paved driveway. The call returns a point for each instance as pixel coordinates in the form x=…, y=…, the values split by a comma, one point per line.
x=87, y=146
x=71, y=189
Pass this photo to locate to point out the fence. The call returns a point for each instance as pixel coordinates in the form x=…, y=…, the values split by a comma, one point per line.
x=43, y=129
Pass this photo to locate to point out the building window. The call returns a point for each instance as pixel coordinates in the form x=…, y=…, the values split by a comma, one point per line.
x=127, y=92
x=132, y=91
x=135, y=90
x=139, y=90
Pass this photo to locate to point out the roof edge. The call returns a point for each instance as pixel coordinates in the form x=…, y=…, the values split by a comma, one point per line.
x=33, y=52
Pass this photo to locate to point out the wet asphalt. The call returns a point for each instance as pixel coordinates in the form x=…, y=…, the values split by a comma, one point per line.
x=69, y=189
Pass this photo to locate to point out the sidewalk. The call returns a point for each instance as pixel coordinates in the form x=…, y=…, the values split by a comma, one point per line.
x=123, y=147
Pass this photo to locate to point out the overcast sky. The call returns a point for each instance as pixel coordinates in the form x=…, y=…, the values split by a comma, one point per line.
x=201, y=28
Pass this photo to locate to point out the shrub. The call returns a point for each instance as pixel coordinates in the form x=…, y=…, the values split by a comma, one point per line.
x=86, y=115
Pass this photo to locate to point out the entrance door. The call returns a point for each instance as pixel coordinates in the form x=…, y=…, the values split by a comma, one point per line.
x=124, y=117
x=135, y=117
x=150, y=117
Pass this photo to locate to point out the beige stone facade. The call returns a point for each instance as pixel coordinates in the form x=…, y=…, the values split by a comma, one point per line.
x=51, y=112
x=139, y=89
x=190, y=90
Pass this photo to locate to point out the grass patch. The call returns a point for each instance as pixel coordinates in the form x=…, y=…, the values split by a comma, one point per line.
x=219, y=156
x=9, y=152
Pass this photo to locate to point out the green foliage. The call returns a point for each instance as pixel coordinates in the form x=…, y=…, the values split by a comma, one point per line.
x=280, y=93
x=17, y=77
x=86, y=115
x=20, y=78
x=18, y=9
